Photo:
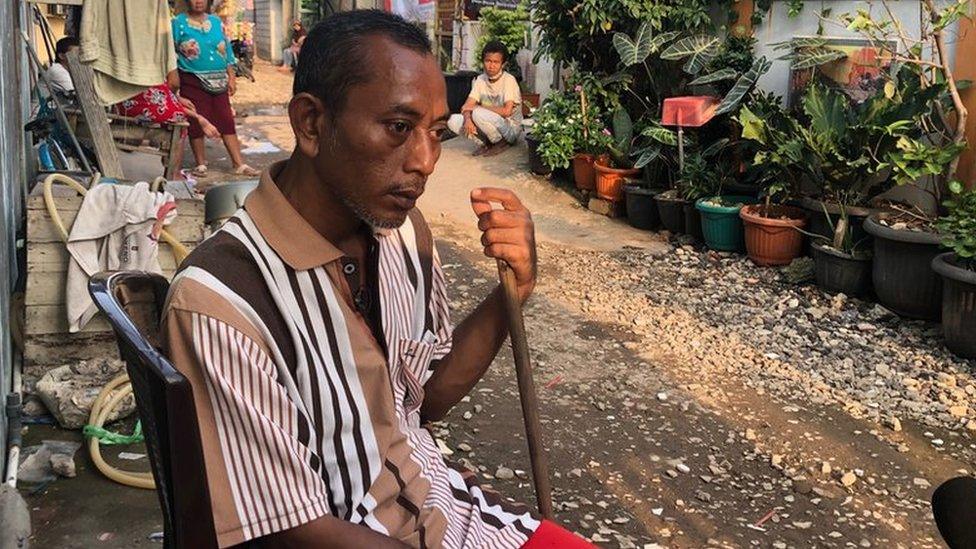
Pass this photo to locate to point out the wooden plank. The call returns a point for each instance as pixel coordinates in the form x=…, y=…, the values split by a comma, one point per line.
x=72, y=202
x=965, y=69
x=83, y=78
x=51, y=319
x=48, y=287
x=40, y=228
x=52, y=257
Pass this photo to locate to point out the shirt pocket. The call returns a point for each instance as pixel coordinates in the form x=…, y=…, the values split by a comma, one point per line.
x=414, y=360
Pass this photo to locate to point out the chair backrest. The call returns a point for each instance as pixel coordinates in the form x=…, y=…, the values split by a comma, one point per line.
x=132, y=302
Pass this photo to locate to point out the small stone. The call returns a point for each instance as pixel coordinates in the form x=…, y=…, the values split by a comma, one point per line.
x=682, y=468
x=893, y=423
x=658, y=511
x=575, y=473
x=848, y=479
x=776, y=460
x=750, y=434
x=825, y=468
x=802, y=525
x=63, y=465
x=802, y=486
x=467, y=415
x=937, y=442
x=662, y=396
x=921, y=482
x=958, y=411
x=701, y=495
x=504, y=473
x=464, y=447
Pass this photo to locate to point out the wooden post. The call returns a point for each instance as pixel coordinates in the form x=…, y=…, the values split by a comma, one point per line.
x=83, y=78
x=965, y=69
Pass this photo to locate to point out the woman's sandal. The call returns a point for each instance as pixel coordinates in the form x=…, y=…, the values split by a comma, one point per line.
x=244, y=169
x=199, y=171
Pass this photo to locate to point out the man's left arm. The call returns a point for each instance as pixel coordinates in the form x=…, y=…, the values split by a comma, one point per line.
x=509, y=235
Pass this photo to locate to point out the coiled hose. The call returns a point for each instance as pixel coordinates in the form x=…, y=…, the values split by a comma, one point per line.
x=112, y=395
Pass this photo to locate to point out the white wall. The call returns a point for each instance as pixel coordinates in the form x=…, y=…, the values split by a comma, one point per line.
x=779, y=27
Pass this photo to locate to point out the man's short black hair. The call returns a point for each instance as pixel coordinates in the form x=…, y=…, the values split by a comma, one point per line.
x=495, y=46
x=66, y=44
x=334, y=58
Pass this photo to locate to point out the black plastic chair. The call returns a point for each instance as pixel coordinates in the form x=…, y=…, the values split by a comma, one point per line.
x=132, y=302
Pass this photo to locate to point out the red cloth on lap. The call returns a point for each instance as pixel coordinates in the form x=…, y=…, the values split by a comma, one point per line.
x=550, y=535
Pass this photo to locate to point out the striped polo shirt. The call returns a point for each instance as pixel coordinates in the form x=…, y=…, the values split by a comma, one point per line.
x=308, y=388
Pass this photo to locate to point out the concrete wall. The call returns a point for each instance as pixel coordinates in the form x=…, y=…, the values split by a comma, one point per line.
x=778, y=27
x=268, y=29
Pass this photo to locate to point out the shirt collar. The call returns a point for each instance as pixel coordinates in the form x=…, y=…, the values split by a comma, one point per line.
x=285, y=230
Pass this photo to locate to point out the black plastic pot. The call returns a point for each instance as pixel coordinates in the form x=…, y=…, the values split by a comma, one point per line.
x=536, y=165
x=672, y=213
x=819, y=225
x=693, y=221
x=641, y=208
x=458, y=88
x=902, y=274
x=840, y=272
x=958, y=305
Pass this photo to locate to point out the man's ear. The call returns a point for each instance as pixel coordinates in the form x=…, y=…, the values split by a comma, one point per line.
x=309, y=122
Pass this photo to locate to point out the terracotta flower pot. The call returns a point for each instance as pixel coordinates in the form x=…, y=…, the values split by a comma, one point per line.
x=610, y=181
x=773, y=240
x=584, y=173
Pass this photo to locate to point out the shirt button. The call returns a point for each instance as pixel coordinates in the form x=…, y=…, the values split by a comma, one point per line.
x=349, y=268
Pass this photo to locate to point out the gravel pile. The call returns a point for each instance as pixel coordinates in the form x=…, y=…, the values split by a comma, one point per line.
x=781, y=338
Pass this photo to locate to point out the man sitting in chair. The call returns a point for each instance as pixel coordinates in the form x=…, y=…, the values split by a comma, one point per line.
x=314, y=328
x=492, y=114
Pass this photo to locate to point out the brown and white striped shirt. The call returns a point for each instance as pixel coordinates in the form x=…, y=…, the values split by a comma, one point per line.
x=304, y=409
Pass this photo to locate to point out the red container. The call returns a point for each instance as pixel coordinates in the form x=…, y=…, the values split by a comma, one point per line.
x=689, y=112
x=774, y=239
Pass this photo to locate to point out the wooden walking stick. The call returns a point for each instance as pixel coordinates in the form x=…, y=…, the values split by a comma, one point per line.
x=530, y=403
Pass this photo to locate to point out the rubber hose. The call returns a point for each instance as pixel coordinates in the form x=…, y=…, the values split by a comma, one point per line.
x=109, y=398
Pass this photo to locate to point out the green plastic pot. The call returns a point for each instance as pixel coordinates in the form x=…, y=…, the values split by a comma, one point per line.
x=721, y=225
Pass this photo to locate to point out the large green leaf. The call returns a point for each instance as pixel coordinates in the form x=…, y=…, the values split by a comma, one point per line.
x=801, y=42
x=807, y=58
x=827, y=111
x=743, y=86
x=698, y=50
x=662, y=39
x=623, y=129
x=646, y=155
x=753, y=127
x=661, y=135
x=634, y=51
x=717, y=76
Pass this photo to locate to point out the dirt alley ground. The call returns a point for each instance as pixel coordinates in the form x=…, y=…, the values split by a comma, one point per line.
x=648, y=448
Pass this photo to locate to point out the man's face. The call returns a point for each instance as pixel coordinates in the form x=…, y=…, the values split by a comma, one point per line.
x=63, y=57
x=380, y=148
x=493, y=64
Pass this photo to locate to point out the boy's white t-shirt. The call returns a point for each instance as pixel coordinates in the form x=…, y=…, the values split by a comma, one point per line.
x=497, y=93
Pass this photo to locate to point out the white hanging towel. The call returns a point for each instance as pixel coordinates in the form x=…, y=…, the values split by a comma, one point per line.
x=117, y=229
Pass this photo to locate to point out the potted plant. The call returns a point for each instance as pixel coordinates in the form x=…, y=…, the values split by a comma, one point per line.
x=537, y=164
x=773, y=232
x=616, y=166
x=568, y=135
x=958, y=271
x=699, y=180
x=925, y=154
x=721, y=226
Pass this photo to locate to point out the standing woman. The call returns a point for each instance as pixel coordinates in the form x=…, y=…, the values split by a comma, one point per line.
x=206, y=62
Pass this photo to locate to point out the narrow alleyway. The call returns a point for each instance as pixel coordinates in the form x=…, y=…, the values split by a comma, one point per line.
x=689, y=399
